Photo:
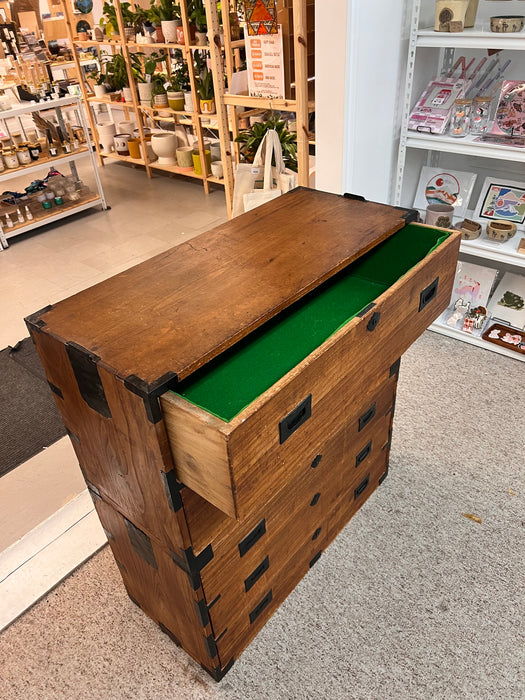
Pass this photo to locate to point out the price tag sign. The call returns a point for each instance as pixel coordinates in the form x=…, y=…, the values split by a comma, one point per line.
x=264, y=59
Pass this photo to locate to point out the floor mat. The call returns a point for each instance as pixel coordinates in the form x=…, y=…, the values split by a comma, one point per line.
x=29, y=418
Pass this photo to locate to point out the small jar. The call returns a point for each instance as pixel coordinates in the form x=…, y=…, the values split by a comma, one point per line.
x=35, y=150
x=479, y=118
x=23, y=155
x=10, y=158
x=459, y=124
x=17, y=138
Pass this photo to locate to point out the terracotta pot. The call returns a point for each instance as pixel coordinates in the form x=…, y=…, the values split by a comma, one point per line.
x=159, y=36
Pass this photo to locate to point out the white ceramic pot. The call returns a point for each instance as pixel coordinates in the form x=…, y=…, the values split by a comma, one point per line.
x=201, y=39
x=145, y=93
x=188, y=101
x=127, y=94
x=164, y=145
x=216, y=168
x=125, y=127
x=100, y=90
x=169, y=29
x=121, y=144
x=106, y=132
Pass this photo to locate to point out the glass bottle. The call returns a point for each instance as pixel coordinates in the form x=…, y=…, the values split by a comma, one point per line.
x=459, y=124
x=479, y=117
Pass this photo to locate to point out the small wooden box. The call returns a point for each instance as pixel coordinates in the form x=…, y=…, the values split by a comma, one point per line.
x=230, y=401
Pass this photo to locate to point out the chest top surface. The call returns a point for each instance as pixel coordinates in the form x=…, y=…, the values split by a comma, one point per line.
x=178, y=310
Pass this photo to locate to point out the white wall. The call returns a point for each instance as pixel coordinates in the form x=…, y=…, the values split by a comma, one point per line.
x=361, y=48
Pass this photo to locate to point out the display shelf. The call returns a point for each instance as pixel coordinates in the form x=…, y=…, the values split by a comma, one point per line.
x=8, y=174
x=124, y=159
x=175, y=170
x=475, y=340
x=57, y=212
x=111, y=103
x=172, y=112
x=29, y=107
x=485, y=250
x=473, y=38
x=465, y=146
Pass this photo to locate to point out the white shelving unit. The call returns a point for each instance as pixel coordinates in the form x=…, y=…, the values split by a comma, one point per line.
x=85, y=151
x=430, y=54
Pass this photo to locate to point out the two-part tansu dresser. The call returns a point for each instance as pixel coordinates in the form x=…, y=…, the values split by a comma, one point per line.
x=231, y=400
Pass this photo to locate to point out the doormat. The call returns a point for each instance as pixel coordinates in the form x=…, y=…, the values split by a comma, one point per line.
x=29, y=418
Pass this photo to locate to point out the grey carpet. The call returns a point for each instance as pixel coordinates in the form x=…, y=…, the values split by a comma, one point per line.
x=412, y=600
x=29, y=418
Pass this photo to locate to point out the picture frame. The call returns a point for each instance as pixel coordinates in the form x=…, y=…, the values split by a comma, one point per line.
x=442, y=186
x=500, y=199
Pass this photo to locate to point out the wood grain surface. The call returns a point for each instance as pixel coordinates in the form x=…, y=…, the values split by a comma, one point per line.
x=178, y=310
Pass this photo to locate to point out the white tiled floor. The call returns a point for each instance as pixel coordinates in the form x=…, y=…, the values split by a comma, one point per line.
x=52, y=263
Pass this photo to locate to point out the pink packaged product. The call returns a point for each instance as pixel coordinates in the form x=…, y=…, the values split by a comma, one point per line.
x=432, y=111
x=510, y=113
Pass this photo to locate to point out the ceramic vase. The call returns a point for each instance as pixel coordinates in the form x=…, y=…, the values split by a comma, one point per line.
x=208, y=106
x=164, y=145
x=145, y=93
x=127, y=94
x=197, y=166
x=169, y=29
x=185, y=157
x=99, y=90
x=121, y=144
x=176, y=101
x=106, y=132
x=188, y=101
x=134, y=148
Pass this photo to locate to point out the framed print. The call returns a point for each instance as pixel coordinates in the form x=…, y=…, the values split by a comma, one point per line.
x=508, y=301
x=438, y=186
x=502, y=200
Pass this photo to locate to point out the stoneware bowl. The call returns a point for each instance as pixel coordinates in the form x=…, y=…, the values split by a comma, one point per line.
x=507, y=23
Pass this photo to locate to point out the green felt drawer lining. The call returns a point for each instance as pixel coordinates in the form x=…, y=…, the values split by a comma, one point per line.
x=228, y=384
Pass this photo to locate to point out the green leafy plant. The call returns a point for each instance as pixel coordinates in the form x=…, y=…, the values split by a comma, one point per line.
x=204, y=83
x=109, y=16
x=144, y=65
x=197, y=14
x=112, y=72
x=251, y=139
x=164, y=11
x=158, y=81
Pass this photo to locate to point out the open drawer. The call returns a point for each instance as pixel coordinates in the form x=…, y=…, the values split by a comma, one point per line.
x=240, y=425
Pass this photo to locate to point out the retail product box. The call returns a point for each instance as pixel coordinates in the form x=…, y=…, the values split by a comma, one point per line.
x=230, y=400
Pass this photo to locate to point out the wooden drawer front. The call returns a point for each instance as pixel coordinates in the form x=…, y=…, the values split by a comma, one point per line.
x=292, y=520
x=221, y=461
x=246, y=620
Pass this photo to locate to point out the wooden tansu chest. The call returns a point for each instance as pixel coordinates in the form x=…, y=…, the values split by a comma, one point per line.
x=231, y=401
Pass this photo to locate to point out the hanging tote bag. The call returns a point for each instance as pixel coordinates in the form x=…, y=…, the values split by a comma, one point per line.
x=260, y=182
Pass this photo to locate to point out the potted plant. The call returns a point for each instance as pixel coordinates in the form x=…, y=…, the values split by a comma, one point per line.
x=158, y=91
x=99, y=79
x=177, y=80
x=156, y=20
x=143, y=67
x=197, y=15
x=170, y=19
x=252, y=137
x=109, y=23
x=204, y=84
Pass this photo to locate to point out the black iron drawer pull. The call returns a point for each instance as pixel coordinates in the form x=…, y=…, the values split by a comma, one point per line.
x=260, y=606
x=316, y=461
x=315, y=499
x=374, y=320
x=363, y=454
x=428, y=294
x=362, y=486
x=317, y=533
x=367, y=416
x=295, y=419
x=252, y=537
x=256, y=574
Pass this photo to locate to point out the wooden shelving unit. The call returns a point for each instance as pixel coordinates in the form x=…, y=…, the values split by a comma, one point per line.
x=221, y=50
x=44, y=162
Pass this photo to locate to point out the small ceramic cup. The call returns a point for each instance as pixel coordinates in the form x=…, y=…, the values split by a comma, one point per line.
x=439, y=215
